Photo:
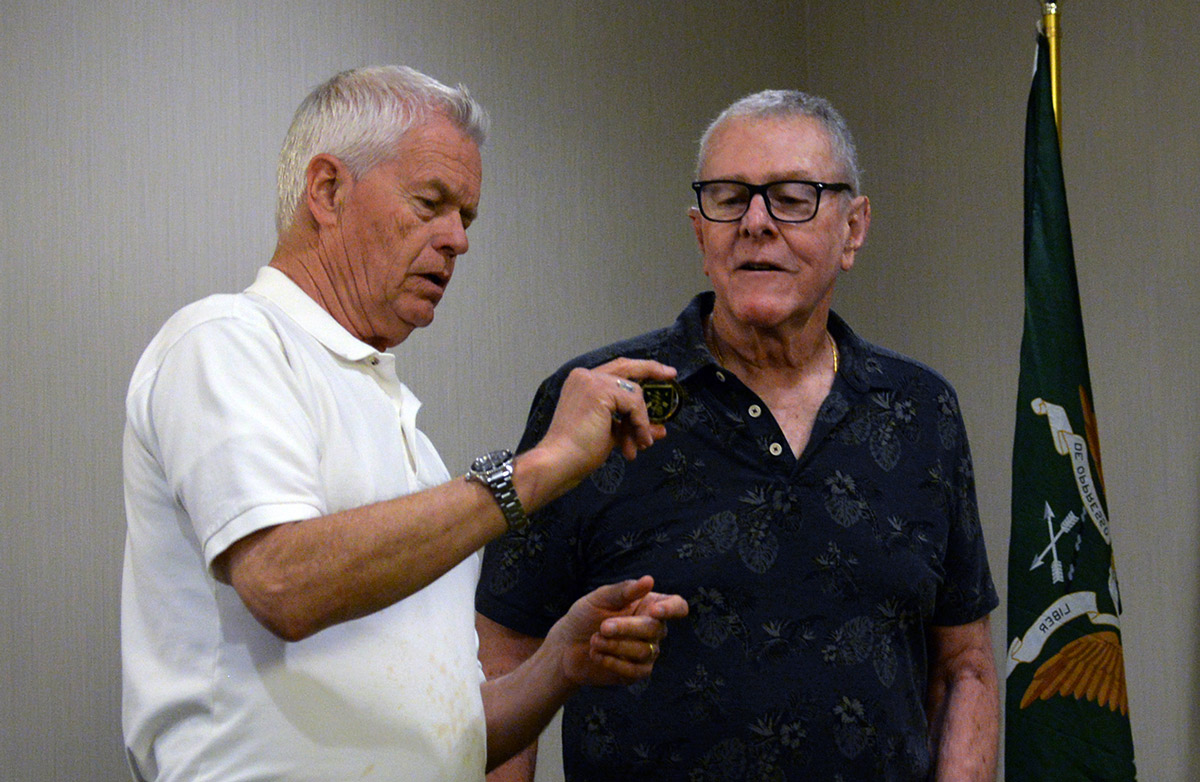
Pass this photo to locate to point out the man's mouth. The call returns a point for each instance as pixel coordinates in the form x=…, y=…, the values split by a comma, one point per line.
x=759, y=266
x=440, y=280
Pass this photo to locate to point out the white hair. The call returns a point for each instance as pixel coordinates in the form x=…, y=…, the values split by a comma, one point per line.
x=359, y=116
x=791, y=104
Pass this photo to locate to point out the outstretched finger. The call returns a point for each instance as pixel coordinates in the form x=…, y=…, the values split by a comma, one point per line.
x=621, y=596
x=638, y=369
x=663, y=607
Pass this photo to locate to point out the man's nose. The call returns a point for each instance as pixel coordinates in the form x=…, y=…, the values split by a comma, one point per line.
x=758, y=217
x=453, y=237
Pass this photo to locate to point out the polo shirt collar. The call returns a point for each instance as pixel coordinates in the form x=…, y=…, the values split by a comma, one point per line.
x=278, y=288
x=693, y=353
x=859, y=366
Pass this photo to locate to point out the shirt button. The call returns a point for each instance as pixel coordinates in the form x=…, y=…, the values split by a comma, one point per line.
x=775, y=449
x=755, y=411
x=373, y=361
x=721, y=376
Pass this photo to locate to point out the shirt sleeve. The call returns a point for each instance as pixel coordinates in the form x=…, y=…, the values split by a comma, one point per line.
x=967, y=592
x=237, y=445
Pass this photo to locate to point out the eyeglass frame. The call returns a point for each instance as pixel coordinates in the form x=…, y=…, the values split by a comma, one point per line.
x=820, y=187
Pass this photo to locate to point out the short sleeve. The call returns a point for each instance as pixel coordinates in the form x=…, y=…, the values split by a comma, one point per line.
x=967, y=592
x=237, y=445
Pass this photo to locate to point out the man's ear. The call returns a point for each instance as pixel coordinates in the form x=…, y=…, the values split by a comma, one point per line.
x=857, y=222
x=697, y=223
x=326, y=183
x=698, y=227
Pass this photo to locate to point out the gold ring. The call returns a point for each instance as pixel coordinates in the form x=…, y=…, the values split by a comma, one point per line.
x=653, y=649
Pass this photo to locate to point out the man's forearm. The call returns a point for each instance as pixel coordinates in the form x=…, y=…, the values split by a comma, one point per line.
x=521, y=767
x=502, y=650
x=302, y=577
x=963, y=703
x=967, y=740
x=518, y=707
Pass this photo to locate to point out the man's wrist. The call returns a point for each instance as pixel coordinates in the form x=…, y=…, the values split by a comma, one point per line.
x=494, y=471
x=541, y=478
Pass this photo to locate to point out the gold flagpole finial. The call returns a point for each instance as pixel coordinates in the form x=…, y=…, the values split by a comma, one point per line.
x=1050, y=26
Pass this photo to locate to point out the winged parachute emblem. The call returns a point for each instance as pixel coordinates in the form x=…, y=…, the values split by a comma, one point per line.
x=1091, y=667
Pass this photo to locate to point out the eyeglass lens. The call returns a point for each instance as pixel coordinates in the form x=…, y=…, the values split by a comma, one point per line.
x=789, y=201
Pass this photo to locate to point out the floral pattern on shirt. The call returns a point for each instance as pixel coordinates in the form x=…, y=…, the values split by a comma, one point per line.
x=811, y=581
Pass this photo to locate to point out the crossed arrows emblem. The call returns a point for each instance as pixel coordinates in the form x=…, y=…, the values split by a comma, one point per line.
x=1056, y=568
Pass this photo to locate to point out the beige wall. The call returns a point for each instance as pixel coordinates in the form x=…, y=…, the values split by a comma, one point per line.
x=138, y=143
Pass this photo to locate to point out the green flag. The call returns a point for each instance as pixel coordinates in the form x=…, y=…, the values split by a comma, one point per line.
x=1066, y=710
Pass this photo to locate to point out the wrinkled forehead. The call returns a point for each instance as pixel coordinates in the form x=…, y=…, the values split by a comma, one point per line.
x=775, y=147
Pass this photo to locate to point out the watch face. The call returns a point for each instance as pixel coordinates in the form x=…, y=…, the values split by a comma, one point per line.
x=491, y=460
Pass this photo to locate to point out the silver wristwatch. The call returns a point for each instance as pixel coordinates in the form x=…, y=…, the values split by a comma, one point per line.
x=495, y=471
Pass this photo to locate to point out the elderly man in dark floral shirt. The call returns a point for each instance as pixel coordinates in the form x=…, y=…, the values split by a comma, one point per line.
x=813, y=500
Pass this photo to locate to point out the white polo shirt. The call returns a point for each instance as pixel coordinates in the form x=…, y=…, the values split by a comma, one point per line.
x=247, y=411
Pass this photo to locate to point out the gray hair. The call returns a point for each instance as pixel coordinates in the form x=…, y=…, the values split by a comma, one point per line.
x=359, y=116
x=792, y=104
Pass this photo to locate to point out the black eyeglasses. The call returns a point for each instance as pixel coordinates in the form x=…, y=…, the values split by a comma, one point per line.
x=790, y=201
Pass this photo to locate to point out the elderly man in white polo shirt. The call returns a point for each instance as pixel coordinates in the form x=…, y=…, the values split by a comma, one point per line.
x=300, y=567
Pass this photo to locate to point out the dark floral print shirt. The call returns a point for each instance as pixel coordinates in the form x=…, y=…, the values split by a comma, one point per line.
x=811, y=581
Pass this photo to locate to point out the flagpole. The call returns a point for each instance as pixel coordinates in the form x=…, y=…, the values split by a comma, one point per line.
x=1050, y=26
